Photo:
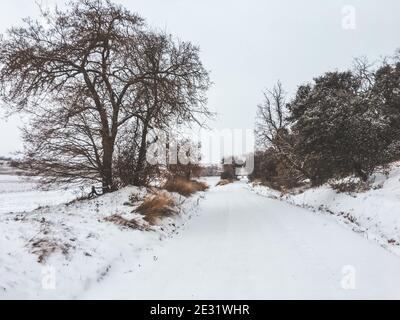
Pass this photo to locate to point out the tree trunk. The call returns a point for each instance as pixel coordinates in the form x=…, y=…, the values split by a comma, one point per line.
x=359, y=172
x=108, y=150
x=188, y=174
x=139, y=174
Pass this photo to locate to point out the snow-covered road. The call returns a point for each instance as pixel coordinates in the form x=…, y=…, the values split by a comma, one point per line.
x=244, y=246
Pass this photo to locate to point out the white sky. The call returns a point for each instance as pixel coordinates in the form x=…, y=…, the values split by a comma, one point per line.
x=249, y=45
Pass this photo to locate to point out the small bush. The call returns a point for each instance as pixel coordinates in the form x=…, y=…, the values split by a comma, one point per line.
x=227, y=175
x=271, y=169
x=184, y=187
x=157, y=207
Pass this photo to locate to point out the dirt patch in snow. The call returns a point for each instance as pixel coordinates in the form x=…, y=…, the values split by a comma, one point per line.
x=128, y=223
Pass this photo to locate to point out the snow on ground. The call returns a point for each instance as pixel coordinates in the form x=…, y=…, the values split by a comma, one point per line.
x=76, y=246
x=374, y=213
x=244, y=246
x=20, y=193
x=233, y=244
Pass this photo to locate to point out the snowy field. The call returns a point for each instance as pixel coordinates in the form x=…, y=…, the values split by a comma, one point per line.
x=20, y=193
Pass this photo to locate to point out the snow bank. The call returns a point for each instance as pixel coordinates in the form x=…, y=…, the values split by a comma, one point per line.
x=374, y=213
x=76, y=246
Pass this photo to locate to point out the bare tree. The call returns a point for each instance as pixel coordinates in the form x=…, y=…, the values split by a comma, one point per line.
x=363, y=72
x=170, y=98
x=271, y=121
x=86, y=75
x=272, y=128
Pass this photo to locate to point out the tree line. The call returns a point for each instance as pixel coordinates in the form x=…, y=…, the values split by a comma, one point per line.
x=96, y=81
x=341, y=124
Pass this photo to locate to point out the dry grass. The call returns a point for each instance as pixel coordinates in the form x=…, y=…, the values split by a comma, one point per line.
x=120, y=221
x=184, y=187
x=200, y=185
x=156, y=207
x=43, y=248
x=224, y=182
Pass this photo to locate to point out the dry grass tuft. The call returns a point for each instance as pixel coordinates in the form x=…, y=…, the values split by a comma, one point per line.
x=224, y=182
x=184, y=187
x=43, y=248
x=199, y=185
x=156, y=207
x=120, y=221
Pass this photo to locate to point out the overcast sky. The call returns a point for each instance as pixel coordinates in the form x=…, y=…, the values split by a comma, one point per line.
x=249, y=45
